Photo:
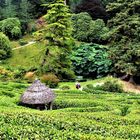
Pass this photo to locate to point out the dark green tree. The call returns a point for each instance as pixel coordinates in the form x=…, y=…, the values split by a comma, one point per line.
x=91, y=60
x=9, y=10
x=124, y=36
x=88, y=30
x=58, y=34
x=24, y=11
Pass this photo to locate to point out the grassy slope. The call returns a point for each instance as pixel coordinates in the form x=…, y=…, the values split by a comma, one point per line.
x=80, y=116
x=29, y=56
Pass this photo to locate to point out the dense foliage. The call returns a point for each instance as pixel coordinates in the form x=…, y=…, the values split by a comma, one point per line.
x=88, y=30
x=79, y=115
x=125, y=36
x=11, y=27
x=5, y=47
x=58, y=34
x=93, y=7
x=91, y=60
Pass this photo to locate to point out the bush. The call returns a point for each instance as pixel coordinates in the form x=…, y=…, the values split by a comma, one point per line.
x=90, y=86
x=19, y=72
x=16, y=32
x=5, y=47
x=5, y=74
x=66, y=74
x=50, y=79
x=65, y=87
x=91, y=60
x=87, y=30
x=112, y=85
x=22, y=42
x=30, y=77
x=11, y=27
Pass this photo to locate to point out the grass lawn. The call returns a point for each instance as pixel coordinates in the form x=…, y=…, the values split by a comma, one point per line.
x=26, y=57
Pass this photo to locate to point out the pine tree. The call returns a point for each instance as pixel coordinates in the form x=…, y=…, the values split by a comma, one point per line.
x=24, y=11
x=58, y=35
x=9, y=10
x=125, y=36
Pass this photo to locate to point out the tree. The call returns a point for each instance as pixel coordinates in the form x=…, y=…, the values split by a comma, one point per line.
x=106, y=2
x=124, y=36
x=93, y=7
x=58, y=34
x=25, y=15
x=11, y=27
x=91, y=60
x=9, y=10
x=88, y=30
x=5, y=47
x=24, y=11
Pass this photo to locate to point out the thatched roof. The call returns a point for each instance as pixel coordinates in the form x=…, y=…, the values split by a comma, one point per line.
x=37, y=93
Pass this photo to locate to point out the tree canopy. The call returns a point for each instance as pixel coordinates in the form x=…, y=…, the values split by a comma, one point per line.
x=88, y=30
x=58, y=34
x=91, y=60
x=125, y=36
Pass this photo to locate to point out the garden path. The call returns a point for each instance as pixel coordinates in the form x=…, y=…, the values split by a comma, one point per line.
x=29, y=43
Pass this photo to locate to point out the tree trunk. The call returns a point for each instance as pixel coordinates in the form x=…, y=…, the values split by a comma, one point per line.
x=131, y=80
x=66, y=2
x=44, y=60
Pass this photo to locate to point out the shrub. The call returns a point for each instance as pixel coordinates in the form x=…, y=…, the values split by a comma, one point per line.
x=66, y=74
x=22, y=42
x=50, y=79
x=65, y=87
x=91, y=60
x=5, y=74
x=5, y=47
x=19, y=72
x=90, y=86
x=16, y=32
x=30, y=77
x=7, y=93
x=11, y=27
x=112, y=85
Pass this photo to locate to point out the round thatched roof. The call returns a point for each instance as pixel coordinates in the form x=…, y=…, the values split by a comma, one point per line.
x=37, y=93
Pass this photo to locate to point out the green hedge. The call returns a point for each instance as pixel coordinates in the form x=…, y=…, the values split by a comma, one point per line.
x=77, y=116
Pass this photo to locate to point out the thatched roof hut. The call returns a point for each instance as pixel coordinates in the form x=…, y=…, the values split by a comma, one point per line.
x=38, y=94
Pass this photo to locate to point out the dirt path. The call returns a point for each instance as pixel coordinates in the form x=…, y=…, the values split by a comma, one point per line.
x=31, y=42
x=128, y=87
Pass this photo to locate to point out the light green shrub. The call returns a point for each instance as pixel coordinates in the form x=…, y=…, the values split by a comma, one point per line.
x=11, y=27
x=50, y=79
x=112, y=86
x=5, y=47
x=65, y=87
x=16, y=32
x=22, y=42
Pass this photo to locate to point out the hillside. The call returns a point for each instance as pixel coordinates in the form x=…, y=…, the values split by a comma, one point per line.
x=26, y=57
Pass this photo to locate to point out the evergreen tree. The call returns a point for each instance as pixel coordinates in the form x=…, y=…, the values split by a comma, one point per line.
x=125, y=36
x=9, y=10
x=58, y=35
x=24, y=11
